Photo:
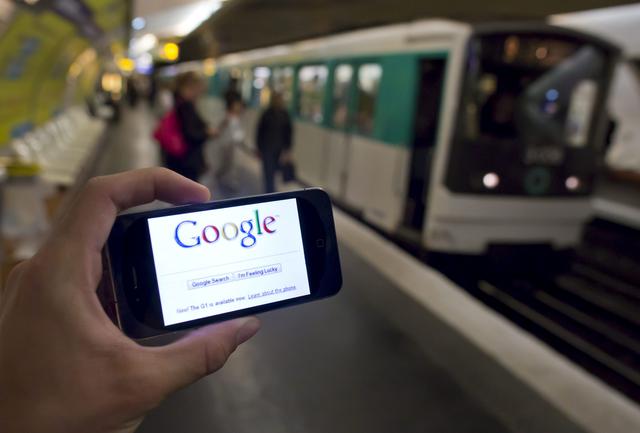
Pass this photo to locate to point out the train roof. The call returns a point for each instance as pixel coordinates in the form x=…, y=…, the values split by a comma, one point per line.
x=360, y=42
x=435, y=34
x=247, y=24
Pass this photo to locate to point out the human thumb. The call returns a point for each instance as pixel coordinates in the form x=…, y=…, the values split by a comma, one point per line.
x=202, y=352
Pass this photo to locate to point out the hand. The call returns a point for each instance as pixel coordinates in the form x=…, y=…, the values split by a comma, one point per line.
x=213, y=132
x=286, y=157
x=64, y=366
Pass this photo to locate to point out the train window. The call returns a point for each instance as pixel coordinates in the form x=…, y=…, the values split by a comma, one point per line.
x=261, y=91
x=341, y=86
x=528, y=112
x=246, y=85
x=537, y=89
x=283, y=83
x=311, y=84
x=369, y=76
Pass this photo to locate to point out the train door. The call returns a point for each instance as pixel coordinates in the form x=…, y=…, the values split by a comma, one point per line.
x=340, y=122
x=310, y=149
x=427, y=119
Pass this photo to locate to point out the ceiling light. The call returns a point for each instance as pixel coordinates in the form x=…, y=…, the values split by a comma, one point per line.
x=143, y=44
x=138, y=23
x=170, y=51
x=209, y=67
x=125, y=64
x=199, y=13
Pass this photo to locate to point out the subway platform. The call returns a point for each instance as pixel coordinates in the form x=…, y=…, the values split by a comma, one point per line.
x=400, y=349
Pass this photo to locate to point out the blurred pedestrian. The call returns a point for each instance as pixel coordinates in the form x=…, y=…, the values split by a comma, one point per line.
x=232, y=92
x=274, y=139
x=194, y=130
x=153, y=89
x=164, y=99
x=132, y=91
x=220, y=153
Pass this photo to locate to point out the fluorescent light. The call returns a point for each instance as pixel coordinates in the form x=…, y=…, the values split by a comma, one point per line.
x=180, y=20
x=196, y=16
x=143, y=44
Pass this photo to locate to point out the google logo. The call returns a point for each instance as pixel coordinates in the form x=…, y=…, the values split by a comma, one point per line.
x=187, y=237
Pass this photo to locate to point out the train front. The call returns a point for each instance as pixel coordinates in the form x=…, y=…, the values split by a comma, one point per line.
x=528, y=137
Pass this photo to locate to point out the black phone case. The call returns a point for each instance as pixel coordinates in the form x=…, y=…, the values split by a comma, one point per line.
x=114, y=299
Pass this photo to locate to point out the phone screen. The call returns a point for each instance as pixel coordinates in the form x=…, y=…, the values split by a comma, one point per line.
x=217, y=261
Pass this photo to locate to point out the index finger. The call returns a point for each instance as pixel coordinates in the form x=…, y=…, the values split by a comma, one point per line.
x=91, y=217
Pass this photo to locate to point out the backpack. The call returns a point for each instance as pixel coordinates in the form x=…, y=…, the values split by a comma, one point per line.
x=169, y=135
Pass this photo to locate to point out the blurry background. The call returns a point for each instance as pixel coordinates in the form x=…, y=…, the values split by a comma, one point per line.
x=55, y=52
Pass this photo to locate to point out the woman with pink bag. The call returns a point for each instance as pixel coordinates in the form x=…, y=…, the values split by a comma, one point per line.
x=182, y=132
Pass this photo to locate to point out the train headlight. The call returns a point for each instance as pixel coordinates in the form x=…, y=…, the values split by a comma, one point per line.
x=572, y=183
x=491, y=180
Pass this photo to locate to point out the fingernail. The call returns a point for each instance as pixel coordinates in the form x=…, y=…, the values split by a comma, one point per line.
x=248, y=330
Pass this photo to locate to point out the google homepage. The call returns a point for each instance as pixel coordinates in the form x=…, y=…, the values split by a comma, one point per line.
x=216, y=261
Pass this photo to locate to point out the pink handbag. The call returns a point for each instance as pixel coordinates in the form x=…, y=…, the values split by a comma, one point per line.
x=169, y=135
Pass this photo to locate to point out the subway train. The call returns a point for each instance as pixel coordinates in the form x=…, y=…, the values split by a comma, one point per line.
x=619, y=25
x=448, y=136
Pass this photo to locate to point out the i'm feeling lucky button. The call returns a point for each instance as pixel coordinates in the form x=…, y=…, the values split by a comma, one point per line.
x=234, y=276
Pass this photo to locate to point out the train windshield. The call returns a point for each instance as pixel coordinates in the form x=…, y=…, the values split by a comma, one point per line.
x=531, y=118
x=533, y=89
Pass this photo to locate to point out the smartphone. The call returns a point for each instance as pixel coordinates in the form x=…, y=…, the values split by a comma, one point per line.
x=187, y=266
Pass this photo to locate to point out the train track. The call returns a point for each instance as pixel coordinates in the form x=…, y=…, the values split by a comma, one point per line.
x=585, y=304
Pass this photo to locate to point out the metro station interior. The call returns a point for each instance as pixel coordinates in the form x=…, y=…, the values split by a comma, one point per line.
x=482, y=159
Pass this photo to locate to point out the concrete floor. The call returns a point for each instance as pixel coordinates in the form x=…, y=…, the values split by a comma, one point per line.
x=332, y=366
x=129, y=143
x=340, y=365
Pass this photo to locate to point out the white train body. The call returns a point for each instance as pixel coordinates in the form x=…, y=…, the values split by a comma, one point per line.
x=620, y=25
x=376, y=173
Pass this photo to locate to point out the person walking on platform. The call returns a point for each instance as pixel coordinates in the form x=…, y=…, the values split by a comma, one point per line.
x=194, y=130
x=133, y=92
x=220, y=153
x=232, y=93
x=274, y=139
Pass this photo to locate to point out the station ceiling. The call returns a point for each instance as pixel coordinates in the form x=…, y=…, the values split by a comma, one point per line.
x=246, y=24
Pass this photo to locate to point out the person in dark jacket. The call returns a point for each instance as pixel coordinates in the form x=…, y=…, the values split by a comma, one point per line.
x=274, y=136
x=189, y=87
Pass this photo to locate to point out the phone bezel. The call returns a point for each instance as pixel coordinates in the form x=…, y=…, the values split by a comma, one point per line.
x=138, y=301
